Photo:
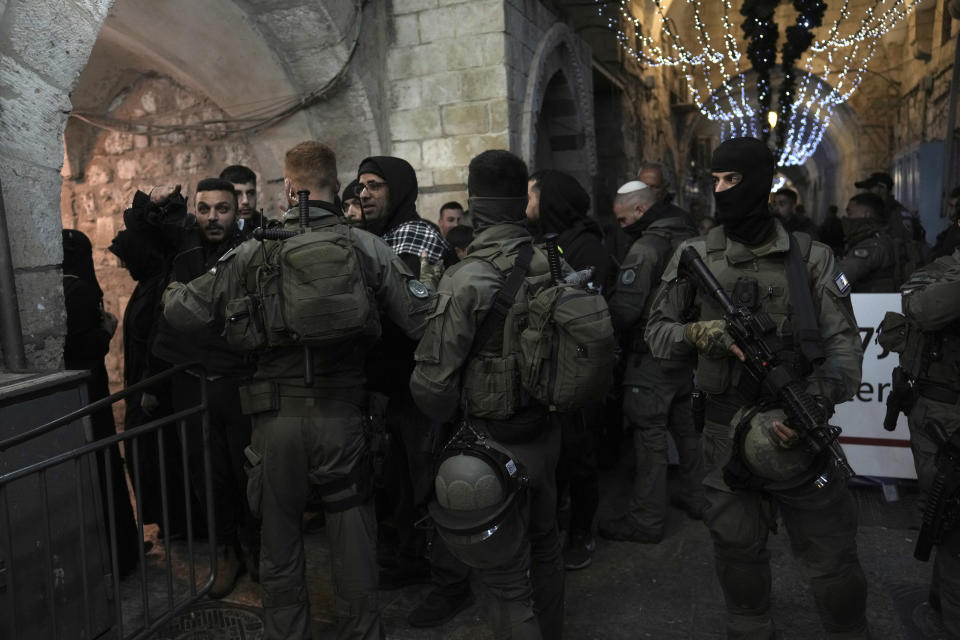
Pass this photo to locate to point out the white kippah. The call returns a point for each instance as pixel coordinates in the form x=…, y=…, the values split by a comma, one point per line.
x=633, y=185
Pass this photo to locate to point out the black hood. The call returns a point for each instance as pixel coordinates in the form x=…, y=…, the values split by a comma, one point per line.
x=78, y=257
x=563, y=202
x=402, y=182
x=743, y=210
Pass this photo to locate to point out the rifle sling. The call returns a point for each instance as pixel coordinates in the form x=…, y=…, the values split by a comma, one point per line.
x=504, y=299
x=805, y=329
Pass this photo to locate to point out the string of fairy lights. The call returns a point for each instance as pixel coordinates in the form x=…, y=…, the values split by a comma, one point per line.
x=723, y=84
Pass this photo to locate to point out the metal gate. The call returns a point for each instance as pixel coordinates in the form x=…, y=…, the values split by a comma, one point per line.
x=59, y=567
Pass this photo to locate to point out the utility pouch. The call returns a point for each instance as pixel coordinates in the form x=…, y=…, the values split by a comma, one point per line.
x=698, y=406
x=253, y=467
x=243, y=324
x=259, y=397
x=893, y=332
x=378, y=439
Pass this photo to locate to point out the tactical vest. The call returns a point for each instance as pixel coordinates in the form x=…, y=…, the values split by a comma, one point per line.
x=759, y=284
x=925, y=356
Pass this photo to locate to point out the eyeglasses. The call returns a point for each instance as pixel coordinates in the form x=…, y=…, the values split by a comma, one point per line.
x=373, y=186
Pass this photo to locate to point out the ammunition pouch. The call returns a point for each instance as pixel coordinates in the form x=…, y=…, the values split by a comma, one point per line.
x=259, y=397
x=698, y=407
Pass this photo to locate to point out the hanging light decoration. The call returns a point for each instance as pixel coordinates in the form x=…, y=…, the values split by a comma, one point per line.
x=732, y=80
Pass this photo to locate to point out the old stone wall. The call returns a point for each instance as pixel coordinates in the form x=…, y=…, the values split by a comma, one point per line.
x=447, y=91
x=43, y=47
x=116, y=164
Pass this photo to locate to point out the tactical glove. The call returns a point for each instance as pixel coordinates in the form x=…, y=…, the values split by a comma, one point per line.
x=709, y=337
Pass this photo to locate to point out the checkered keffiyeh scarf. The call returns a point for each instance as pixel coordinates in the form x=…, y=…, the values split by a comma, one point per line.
x=416, y=236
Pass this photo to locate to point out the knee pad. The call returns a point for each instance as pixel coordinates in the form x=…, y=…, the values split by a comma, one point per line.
x=842, y=600
x=746, y=586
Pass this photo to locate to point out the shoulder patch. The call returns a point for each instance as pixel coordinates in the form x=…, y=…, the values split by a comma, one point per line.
x=628, y=276
x=418, y=289
x=842, y=283
x=861, y=253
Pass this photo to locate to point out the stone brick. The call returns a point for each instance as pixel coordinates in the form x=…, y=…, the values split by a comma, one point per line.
x=405, y=94
x=482, y=84
x=411, y=6
x=116, y=142
x=415, y=124
x=499, y=115
x=406, y=30
x=465, y=118
x=52, y=38
x=438, y=24
x=98, y=173
x=456, y=175
x=127, y=169
x=141, y=142
x=191, y=160
x=444, y=153
x=412, y=62
x=409, y=151
x=446, y=3
x=33, y=115
x=441, y=88
x=42, y=315
x=482, y=16
x=31, y=198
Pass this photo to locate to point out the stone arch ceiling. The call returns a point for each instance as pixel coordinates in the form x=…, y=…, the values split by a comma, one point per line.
x=245, y=55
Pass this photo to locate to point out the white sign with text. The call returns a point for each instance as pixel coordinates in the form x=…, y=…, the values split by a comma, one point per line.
x=871, y=450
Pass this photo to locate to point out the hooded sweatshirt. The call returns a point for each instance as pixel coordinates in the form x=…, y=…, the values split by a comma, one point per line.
x=401, y=226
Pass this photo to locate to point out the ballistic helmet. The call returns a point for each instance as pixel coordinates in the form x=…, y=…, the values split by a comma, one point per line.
x=479, y=487
x=781, y=466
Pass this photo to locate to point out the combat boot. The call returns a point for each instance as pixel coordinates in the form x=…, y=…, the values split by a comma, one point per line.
x=228, y=570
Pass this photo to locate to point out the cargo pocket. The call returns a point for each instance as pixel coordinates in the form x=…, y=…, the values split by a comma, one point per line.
x=243, y=326
x=491, y=387
x=428, y=350
x=259, y=397
x=253, y=467
x=714, y=374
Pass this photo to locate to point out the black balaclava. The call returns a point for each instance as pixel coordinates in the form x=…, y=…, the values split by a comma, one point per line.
x=563, y=202
x=743, y=210
x=78, y=257
x=497, y=188
x=401, y=179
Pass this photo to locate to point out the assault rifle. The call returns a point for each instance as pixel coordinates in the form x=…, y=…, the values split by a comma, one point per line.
x=750, y=332
x=261, y=234
x=943, y=502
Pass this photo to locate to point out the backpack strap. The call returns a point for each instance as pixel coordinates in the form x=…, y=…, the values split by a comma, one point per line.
x=805, y=329
x=504, y=299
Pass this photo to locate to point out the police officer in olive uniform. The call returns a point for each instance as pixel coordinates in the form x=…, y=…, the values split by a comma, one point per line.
x=873, y=258
x=931, y=303
x=750, y=254
x=656, y=398
x=310, y=437
x=452, y=373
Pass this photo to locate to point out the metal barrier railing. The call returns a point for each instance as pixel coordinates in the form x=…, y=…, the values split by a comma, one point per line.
x=126, y=624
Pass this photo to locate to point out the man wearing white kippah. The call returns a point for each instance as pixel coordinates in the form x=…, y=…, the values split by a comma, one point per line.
x=656, y=399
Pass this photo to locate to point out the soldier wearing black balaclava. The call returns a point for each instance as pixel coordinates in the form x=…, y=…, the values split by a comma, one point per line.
x=746, y=485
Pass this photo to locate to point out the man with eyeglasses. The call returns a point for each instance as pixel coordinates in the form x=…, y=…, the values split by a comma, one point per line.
x=387, y=187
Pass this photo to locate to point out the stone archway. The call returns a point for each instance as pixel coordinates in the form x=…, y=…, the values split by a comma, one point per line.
x=557, y=125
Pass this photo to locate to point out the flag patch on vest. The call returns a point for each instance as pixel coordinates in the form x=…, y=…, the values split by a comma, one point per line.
x=628, y=276
x=842, y=283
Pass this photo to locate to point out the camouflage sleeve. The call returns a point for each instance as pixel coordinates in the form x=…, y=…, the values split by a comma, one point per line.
x=200, y=303
x=863, y=259
x=838, y=377
x=635, y=282
x=446, y=343
x=671, y=304
x=402, y=298
x=935, y=305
